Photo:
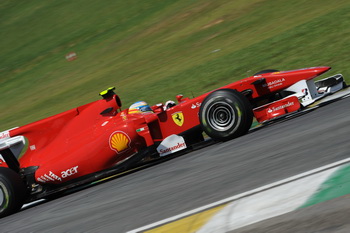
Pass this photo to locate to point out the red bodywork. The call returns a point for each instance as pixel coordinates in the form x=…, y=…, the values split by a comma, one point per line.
x=82, y=141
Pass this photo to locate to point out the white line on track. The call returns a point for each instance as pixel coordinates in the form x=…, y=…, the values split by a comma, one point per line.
x=239, y=196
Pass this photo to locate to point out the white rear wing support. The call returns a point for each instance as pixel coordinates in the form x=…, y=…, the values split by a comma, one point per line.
x=16, y=144
x=10, y=149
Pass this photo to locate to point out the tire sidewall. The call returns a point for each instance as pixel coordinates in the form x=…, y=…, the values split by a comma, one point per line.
x=5, y=200
x=13, y=192
x=208, y=110
x=236, y=104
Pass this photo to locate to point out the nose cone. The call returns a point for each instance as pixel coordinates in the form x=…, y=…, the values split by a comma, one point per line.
x=321, y=69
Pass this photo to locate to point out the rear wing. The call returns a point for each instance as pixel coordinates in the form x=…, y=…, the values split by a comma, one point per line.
x=10, y=149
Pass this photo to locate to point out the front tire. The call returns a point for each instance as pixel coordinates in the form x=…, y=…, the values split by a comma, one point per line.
x=12, y=192
x=225, y=114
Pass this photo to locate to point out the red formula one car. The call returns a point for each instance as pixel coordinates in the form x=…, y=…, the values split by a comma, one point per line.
x=94, y=140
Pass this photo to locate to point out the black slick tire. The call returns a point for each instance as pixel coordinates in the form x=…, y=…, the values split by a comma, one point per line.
x=225, y=114
x=12, y=192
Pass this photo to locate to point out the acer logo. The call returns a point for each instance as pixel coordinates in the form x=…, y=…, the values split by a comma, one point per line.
x=69, y=172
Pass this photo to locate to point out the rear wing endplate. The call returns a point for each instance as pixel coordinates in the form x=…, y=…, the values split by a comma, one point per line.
x=10, y=149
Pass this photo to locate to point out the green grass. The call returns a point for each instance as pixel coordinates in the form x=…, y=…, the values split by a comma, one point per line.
x=153, y=50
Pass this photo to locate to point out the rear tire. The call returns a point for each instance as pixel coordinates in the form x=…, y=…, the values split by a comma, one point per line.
x=12, y=192
x=225, y=114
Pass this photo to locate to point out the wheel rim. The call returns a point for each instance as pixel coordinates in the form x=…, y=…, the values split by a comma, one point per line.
x=221, y=116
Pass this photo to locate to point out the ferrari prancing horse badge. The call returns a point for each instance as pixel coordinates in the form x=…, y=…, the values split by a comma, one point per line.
x=178, y=118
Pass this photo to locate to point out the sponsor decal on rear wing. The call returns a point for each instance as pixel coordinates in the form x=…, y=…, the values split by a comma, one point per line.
x=15, y=144
x=4, y=134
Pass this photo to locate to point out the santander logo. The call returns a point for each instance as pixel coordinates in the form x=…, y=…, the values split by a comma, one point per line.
x=178, y=146
x=273, y=109
x=171, y=144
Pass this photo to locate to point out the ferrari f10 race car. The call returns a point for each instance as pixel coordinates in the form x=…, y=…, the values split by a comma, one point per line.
x=98, y=139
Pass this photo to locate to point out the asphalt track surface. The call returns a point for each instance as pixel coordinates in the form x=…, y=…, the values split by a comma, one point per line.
x=210, y=174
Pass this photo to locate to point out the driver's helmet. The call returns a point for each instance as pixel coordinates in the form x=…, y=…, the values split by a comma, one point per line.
x=140, y=107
